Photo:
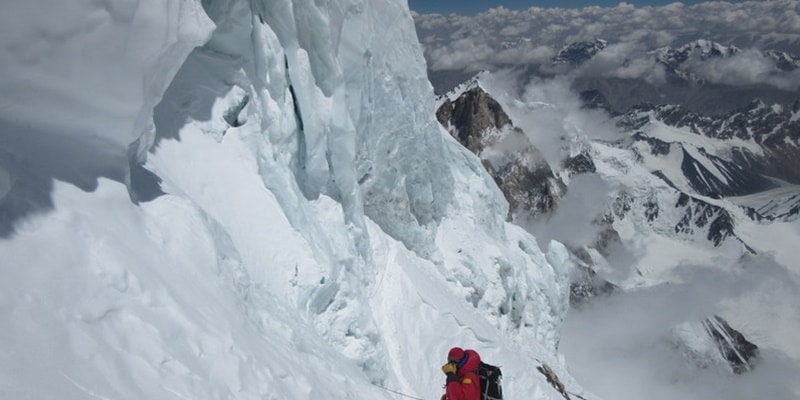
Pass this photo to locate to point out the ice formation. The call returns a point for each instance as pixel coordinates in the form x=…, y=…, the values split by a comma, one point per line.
x=274, y=214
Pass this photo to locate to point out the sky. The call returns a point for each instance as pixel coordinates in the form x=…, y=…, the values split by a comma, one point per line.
x=472, y=7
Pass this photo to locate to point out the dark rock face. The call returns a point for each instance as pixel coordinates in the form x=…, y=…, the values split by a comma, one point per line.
x=579, y=164
x=479, y=123
x=586, y=284
x=712, y=342
x=471, y=115
x=739, y=181
x=528, y=183
x=577, y=53
x=699, y=214
x=532, y=190
x=740, y=353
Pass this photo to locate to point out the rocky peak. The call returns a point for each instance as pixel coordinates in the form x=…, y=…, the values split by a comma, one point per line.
x=481, y=125
x=713, y=342
x=676, y=59
x=470, y=116
x=784, y=61
x=702, y=49
x=577, y=53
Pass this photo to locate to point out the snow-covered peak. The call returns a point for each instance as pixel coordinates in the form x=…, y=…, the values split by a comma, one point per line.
x=576, y=53
x=700, y=49
x=708, y=48
x=466, y=86
x=784, y=61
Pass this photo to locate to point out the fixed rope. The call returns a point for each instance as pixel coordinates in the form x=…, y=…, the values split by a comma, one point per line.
x=397, y=393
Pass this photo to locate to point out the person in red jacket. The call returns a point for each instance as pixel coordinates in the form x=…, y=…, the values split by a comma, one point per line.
x=462, y=375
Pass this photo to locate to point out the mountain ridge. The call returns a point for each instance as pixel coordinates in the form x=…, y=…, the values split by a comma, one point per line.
x=680, y=178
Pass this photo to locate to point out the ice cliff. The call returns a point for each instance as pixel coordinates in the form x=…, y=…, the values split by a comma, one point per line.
x=250, y=200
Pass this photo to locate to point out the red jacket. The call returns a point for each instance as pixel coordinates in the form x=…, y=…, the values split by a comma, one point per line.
x=468, y=386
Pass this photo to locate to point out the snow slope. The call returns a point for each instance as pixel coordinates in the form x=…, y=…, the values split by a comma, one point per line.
x=303, y=227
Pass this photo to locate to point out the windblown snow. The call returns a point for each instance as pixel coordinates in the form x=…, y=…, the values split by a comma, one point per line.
x=251, y=200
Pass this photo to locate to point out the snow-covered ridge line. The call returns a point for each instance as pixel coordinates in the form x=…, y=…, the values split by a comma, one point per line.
x=456, y=92
x=761, y=137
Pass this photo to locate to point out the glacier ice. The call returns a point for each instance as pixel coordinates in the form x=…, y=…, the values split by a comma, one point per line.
x=317, y=233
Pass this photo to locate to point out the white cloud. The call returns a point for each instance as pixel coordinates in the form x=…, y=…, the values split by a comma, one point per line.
x=524, y=54
x=464, y=54
x=624, y=60
x=514, y=29
x=746, y=68
x=573, y=222
x=550, y=113
x=480, y=42
x=620, y=339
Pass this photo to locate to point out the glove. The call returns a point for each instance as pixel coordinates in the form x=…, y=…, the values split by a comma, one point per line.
x=449, y=368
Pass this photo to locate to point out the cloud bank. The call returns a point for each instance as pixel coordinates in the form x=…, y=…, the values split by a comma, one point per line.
x=501, y=37
x=619, y=348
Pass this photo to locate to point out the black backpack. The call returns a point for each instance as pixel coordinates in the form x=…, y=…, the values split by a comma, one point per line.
x=490, y=377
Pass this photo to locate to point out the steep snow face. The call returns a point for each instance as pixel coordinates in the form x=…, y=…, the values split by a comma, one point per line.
x=311, y=232
x=53, y=57
x=79, y=83
x=123, y=54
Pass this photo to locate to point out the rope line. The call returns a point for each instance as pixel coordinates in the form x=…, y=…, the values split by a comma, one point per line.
x=396, y=392
x=577, y=395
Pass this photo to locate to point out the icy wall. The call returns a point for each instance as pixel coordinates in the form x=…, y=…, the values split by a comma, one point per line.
x=274, y=214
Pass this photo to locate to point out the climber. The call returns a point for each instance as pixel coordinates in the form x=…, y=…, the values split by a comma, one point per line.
x=462, y=375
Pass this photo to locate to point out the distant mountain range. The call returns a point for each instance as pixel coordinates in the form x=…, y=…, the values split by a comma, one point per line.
x=667, y=75
x=686, y=178
x=698, y=157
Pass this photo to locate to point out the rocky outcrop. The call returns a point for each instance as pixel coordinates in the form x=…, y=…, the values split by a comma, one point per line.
x=580, y=163
x=576, y=53
x=528, y=183
x=740, y=353
x=585, y=284
x=674, y=59
x=481, y=125
x=471, y=116
x=698, y=215
x=713, y=343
